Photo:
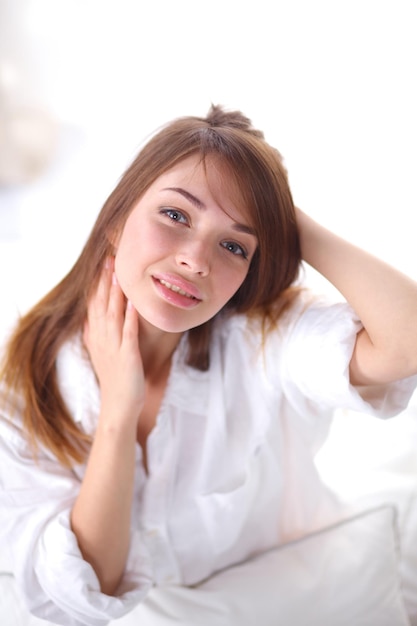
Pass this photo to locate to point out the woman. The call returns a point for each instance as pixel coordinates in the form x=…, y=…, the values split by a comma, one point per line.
x=163, y=403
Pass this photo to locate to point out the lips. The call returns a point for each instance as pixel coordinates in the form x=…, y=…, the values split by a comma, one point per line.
x=179, y=286
x=176, y=289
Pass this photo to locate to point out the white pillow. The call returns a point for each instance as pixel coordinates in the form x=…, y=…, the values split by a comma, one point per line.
x=344, y=575
x=408, y=562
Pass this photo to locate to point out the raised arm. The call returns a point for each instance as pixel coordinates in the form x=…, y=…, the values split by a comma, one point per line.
x=384, y=299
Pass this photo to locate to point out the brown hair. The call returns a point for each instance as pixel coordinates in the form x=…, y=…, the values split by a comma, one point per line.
x=259, y=174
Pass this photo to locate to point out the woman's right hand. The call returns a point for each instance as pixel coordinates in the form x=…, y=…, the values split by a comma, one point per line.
x=101, y=514
x=111, y=335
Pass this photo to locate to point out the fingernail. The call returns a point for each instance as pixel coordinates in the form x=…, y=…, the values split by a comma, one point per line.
x=114, y=278
x=107, y=263
x=129, y=305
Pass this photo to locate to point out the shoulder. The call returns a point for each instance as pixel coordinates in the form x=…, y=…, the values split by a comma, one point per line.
x=236, y=336
x=311, y=328
x=308, y=313
x=316, y=321
x=77, y=383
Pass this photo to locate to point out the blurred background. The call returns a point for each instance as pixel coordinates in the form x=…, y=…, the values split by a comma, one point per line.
x=83, y=83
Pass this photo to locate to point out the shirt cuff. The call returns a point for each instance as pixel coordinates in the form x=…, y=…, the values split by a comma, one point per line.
x=72, y=586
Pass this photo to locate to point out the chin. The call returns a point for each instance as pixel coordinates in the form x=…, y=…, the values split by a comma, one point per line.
x=168, y=324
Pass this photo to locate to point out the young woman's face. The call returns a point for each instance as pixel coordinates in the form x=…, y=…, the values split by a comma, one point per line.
x=185, y=248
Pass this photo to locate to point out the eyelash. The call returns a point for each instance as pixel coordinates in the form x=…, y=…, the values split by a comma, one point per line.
x=170, y=212
x=226, y=244
x=242, y=252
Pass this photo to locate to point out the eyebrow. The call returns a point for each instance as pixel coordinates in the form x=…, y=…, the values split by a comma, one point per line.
x=243, y=228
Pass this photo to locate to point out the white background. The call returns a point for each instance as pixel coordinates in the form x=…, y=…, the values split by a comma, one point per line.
x=332, y=83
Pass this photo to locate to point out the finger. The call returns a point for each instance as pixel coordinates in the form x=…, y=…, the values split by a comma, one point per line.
x=116, y=304
x=131, y=324
x=130, y=339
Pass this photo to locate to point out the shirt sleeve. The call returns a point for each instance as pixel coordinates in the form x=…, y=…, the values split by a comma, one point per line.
x=56, y=583
x=317, y=350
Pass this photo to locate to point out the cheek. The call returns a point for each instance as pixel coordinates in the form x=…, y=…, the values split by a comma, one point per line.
x=129, y=260
x=232, y=281
x=139, y=245
x=137, y=251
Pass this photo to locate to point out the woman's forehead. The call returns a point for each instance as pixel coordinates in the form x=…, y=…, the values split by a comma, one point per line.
x=223, y=182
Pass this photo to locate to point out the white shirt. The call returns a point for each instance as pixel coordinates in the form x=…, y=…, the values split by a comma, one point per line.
x=230, y=463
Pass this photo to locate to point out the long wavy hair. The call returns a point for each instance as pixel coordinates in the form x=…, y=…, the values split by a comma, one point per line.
x=28, y=368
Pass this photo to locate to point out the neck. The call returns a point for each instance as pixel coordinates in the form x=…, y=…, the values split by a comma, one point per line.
x=156, y=348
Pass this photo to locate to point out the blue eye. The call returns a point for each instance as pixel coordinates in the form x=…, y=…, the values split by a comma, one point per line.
x=235, y=249
x=175, y=216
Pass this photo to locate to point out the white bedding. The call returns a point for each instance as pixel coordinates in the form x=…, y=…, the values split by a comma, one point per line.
x=362, y=571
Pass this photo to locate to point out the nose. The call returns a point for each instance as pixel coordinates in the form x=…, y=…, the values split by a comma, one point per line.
x=195, y=257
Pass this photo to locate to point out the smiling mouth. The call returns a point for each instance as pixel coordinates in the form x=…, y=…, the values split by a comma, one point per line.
x=176, y=289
